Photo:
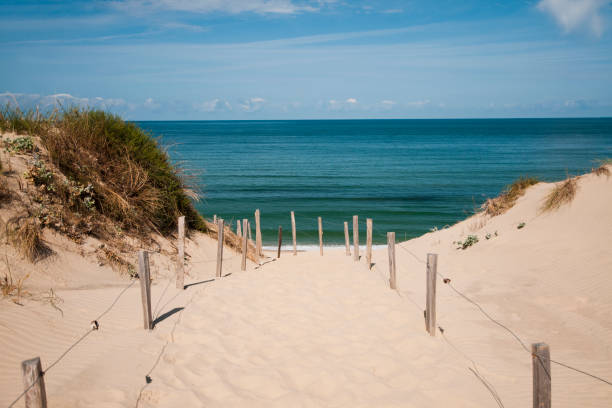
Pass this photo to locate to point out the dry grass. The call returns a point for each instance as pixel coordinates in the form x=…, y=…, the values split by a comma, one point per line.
x=12, y=288
x=5, y=191
x=505, y=201
x=602, y=170
x=102, y=165
x=25, y=235
x=563, y=193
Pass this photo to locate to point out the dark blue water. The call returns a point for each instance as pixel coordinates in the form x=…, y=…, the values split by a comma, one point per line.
x=407, y=175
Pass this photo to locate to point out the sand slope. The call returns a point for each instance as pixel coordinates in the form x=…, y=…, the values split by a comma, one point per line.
x=327, y=331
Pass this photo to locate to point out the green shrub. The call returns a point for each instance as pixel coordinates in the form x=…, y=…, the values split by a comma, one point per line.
x=20, y=145
x=133, y=179
x=469, y=241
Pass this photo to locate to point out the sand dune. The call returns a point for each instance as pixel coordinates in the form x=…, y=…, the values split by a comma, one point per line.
x=317, y=331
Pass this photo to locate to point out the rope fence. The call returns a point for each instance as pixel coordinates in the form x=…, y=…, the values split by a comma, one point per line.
x=35, y=394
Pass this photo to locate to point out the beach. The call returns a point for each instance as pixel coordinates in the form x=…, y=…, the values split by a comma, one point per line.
x=312, y=330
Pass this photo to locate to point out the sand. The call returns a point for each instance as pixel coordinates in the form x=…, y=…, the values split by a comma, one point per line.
x=317, y=331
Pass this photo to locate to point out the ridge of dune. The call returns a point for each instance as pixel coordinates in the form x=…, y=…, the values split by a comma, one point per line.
x=313, y=331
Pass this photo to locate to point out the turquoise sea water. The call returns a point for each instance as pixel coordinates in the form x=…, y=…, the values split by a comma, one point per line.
x=407, y=175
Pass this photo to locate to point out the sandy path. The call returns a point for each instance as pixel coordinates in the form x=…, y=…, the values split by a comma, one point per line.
x=299, y=332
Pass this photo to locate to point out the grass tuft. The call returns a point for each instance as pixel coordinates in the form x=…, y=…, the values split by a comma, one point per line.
x=26, y=237
x=602, y=170
x=112, y=168
x=563, y=193
x=505, y=201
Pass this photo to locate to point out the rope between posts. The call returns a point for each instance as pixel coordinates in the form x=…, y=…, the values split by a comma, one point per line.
x=94, y=327
x=447, y=281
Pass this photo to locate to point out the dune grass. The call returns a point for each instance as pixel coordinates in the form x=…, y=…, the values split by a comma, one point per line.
x=563, y=193
x=506, y=200
x=25, y=235
x=111, y=167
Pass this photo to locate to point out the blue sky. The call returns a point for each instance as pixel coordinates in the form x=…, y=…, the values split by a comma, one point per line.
x=301, y=59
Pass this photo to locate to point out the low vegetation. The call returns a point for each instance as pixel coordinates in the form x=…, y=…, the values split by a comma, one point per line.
x=563, y=193
x=468, y=242
x=25, y=235
x=505, y=201
x=103, y=166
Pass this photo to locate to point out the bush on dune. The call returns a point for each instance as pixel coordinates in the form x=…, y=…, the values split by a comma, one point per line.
x=563, y=193
x=111, y=166
x=505, y=201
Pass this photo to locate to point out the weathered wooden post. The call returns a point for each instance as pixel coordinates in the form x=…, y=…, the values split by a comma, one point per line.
x=258, y=234
x=215, y=219
x=249, y=228
x=540, y=357
x=355, y=238
x=280, y=240
x=320, y=236
x=144, y=275
x=369, y=242
x=391, y=247
x=180, y=261
x=346, y=239
x=238, y=230
x=220, y=226
x=34, y=384
x=293, y=233
x=430, y=302
x=245, y=244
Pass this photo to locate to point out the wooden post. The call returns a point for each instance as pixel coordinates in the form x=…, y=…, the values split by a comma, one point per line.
x=35, y=395
x=321, y=236
x=257, y=234
x=355, y=238
x=280, y=240
x=346, y=239
x=430, y=302
x=391, y=246
x=238, y=230
x=215, y=219
x=249, y=228
x=540, y=357
x=144, y=275
x=369, y=242
x=245, y=244
x=180, y=257
x=293, y=233
x=220, y=226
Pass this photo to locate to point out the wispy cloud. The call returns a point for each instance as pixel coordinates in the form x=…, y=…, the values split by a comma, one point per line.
x=61, y=100
x=576, y=14
x=252, y=104
x=215, y=105
x=223, y=6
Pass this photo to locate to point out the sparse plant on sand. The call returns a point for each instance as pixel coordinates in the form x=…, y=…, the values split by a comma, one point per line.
x=506, y=200
x=468, y=242
x=12, y=288
x=563, y=193
x=604, y=168
x=23, y=144
x=25, y=235
x=521, y=225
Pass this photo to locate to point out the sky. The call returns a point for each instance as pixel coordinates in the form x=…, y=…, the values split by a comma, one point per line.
x=309, y=59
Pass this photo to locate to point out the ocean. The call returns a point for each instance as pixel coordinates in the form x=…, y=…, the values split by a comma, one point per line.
x=409, y=176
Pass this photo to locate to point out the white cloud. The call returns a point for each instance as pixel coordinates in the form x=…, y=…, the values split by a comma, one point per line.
x=183, y=26
x=224, y=6
x=150, y=103
x=215, y=105
x=419, y=104
x=393, y=11
x=576, y=14
x=252, y=104
x=59, y=100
